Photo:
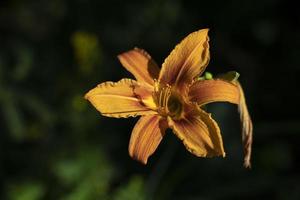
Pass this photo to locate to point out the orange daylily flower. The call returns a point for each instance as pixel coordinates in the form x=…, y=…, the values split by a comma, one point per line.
x=172, y=97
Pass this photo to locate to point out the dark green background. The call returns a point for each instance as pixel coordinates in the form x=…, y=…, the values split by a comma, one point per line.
x=55, y=145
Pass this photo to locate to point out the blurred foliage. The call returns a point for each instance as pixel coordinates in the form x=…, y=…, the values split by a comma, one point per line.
x=133, y=190
x=26, y=191
x=83, y=175
x=86, y=50
x=54, y=145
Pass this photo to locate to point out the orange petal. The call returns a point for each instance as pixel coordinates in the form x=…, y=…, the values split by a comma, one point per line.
x=120, y=99
x=207, y=91
x=247, y=127
x=199, y=133
x=146, y=136
x=187, y=61
x=140, y=64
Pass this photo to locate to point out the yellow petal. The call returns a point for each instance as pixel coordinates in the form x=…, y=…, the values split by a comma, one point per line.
x=120, y=99
x=207, y=91
x=187, y=61
x=199, y=133
x=146, y=136
x=247, y=127
x=140, y=64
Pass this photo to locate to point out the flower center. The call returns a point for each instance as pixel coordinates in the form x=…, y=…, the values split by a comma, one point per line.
x=174, y=106
x=167, y=101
